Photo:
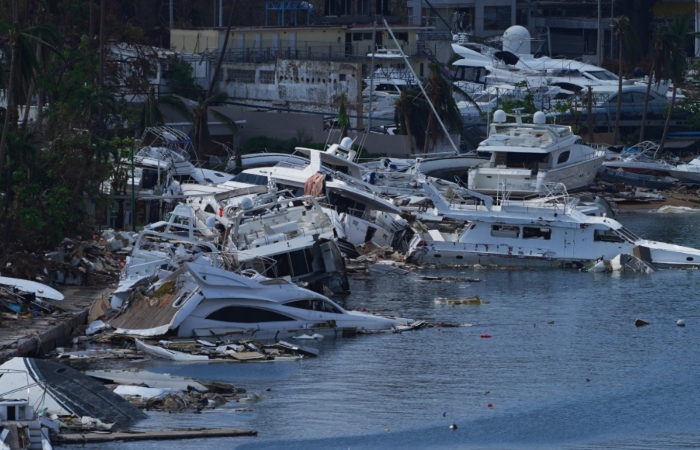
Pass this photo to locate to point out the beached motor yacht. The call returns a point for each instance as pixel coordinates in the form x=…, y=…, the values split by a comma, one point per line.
x=642, y=158
x=293, y=233
x=523, y=234
x=171, y=150
x=527, y=158
x=42, y=388
x=688, y=173
x=355, y=205
x=201, y=300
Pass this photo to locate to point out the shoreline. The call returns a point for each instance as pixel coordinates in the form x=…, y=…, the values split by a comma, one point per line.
x=34, y=336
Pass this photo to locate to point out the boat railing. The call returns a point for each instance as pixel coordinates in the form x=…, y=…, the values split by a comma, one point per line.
x=247, y=264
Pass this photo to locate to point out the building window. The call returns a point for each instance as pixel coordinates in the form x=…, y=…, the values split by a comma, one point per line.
x=363, y=7
x=497, y=17
x=241, y=76
x=331, y=7
x=347, y=7
x=401, y=36
x=383, y=7
x=267, y=77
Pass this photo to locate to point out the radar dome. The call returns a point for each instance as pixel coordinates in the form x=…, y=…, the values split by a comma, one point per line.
x=539, y=118
x=516, y=39
x=499, y=116
x=211, y=221
x=247, y=203
x=346, y=143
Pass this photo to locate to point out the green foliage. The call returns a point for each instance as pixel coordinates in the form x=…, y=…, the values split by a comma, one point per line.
x=691, y=106
x=181, y=79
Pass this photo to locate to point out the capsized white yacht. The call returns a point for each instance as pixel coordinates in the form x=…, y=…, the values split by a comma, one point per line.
x=201, y=300
x=523, y=234
x=527, y=158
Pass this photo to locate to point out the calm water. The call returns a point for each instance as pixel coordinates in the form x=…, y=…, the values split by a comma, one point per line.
x=565, y=366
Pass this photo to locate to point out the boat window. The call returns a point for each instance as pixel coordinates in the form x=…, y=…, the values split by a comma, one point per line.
x=606, y=236
x=629, y=235
x=301, y=262
x=508, y=231
x=315, y=305
x=563, y=157
x=537, y=233
x=245, y=314
x=184, y=179
x=250, y=178
x=149, y=178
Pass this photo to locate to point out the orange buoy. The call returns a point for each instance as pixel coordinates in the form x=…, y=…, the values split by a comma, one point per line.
x=490, y=405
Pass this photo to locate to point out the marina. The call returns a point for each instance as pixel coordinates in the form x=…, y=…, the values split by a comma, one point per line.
x=362, y=227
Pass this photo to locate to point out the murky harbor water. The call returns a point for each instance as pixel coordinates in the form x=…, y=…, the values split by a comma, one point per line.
x=564, y=367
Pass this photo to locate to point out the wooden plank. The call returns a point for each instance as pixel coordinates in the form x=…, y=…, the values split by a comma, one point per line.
x=87, y=438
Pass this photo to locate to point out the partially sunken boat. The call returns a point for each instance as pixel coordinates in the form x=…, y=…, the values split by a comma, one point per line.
x=201, y=300
x=55, y=389
x=526, y=234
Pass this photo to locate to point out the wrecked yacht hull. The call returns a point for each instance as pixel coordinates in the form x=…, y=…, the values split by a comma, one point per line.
x=62, y=390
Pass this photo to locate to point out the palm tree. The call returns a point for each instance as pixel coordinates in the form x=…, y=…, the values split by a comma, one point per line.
x=200, y=122
x=625, y=34
x=24, y=66
x=343, y=119
x=677, y=31
x=404, y=114
x=151, y=114
x=200, y=113
x=659, y=67
x=440, y=94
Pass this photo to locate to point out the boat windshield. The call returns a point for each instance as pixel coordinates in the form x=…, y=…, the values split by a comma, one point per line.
x=602, y=75
x=628, y=235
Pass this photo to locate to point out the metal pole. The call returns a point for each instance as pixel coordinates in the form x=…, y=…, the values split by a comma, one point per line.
x=172, y=21
x=133, y=195
x=371, y=72
x=420, y=85
x=612, y=35
x=599, y=43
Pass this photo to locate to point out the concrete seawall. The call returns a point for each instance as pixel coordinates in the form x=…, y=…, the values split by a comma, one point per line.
x=35, y=336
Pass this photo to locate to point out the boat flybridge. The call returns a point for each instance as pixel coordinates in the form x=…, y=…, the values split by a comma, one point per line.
x=526, y=234
x=526, y=158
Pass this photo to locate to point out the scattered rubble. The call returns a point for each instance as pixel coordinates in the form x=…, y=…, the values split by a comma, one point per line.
x=91, y=262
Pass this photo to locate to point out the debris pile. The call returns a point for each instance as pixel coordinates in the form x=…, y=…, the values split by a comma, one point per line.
x=93, y=262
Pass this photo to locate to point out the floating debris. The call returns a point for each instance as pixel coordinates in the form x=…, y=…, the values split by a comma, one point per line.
x=680, y=322
x=388, y=268
x=411, y=326
x=626, y=262
x=474, y=300
x=641, y=323
x=242, y=351
x=449, y=279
